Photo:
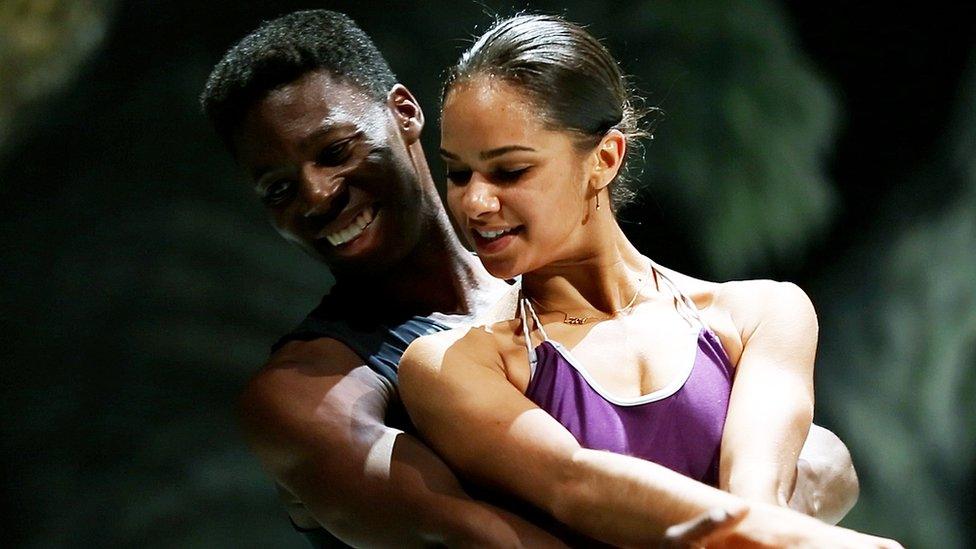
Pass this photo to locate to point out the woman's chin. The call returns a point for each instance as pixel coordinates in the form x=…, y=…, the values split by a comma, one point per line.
x=502, y=271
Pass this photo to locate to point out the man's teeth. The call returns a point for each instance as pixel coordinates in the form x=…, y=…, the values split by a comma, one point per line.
x=492, y=234
x=353, y=230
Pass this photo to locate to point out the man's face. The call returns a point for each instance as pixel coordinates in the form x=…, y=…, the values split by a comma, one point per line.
x=331, y=166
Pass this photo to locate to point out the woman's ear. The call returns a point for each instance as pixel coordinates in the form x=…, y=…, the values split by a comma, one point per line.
x=609, y=158
x=407, y=113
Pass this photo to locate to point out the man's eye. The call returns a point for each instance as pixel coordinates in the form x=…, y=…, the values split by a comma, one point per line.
x=334, y=154
x=276, y=193
x=508, y=176
x=458, y=177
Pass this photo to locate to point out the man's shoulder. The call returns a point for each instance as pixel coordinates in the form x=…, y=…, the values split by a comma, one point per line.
x=293, y=384
x=299, y=367
x=376, y=335
x=331, y=318
x=318, y=356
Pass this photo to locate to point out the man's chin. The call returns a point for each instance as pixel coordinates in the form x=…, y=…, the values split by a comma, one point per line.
x=361, y=269
x=374, y=262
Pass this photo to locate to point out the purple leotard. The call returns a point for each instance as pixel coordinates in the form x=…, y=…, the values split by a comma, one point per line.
x=678, y=426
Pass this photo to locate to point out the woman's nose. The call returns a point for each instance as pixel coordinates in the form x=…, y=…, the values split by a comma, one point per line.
x=479, y=197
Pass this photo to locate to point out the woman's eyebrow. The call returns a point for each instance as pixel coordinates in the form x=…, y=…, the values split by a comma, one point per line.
x=493, y=153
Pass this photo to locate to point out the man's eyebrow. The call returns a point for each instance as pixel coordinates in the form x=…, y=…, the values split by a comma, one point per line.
x=260, y=173
x=321, y=132
x=493, y=153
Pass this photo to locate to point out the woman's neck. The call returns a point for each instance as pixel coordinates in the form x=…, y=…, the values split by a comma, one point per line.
x=605, y=277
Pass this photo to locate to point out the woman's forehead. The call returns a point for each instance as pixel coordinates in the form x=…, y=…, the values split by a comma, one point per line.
x=488, y=110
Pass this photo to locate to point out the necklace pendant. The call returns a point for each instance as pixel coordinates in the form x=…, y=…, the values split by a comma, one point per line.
x=576, y=319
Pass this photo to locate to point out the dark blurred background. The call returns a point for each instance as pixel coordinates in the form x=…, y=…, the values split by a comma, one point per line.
x=819, y=142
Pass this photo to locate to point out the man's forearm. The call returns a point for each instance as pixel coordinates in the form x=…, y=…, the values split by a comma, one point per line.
x=403, y=495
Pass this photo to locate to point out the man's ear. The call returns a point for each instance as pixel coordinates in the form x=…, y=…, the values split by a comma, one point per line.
x=407, y=113
x=609, y=158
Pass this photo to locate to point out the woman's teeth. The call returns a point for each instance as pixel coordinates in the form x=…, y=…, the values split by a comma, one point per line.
x=353, y=230
x=492, y=234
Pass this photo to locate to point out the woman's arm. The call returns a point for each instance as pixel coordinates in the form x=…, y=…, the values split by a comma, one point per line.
x=771, y=406
x=461, y=401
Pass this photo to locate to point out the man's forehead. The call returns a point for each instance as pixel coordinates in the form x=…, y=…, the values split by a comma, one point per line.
x=315, y=104
x=323, y=95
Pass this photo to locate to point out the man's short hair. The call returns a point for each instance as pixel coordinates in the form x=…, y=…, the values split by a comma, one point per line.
x=283, y=50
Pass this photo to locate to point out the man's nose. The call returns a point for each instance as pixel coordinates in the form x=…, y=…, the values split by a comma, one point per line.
x=479, y=198
x=318, y=190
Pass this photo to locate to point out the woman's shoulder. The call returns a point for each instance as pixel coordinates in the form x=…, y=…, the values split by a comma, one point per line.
x=735, y=309
x=739, y=297
x=754, y=301
x=474, y=345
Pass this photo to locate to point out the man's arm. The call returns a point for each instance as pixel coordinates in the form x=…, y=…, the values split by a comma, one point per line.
x=826, y=483
x=314, y=416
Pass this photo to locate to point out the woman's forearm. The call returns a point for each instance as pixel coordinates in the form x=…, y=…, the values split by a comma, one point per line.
x=628, y=501
x=489, y=432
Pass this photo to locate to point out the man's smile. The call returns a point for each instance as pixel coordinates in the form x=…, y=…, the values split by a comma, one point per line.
x=348, y=231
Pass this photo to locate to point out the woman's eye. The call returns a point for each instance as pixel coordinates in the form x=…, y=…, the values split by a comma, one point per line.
x=458, y=177
x=509, y=176
x=276, y=193
x=334, y=154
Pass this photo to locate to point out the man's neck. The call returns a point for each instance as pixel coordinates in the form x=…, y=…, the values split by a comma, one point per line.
x=438, y=276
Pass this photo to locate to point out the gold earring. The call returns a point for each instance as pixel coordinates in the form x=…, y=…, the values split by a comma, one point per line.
x=598, y=201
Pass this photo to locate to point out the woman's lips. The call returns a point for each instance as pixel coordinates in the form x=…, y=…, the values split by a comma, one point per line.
x=489, y=245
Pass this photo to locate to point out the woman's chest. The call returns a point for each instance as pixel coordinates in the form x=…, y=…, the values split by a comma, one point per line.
x=625, y=358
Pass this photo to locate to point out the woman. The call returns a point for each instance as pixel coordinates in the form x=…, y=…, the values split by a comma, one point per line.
x=611, y=351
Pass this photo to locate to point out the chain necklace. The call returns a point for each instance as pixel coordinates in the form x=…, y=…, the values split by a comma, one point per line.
x=577, y=320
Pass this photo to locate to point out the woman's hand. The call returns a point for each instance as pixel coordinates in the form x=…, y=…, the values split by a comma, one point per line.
x=770, y=526
x=764, y=526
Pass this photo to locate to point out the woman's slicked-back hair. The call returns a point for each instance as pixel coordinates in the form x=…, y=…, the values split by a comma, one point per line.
x=283, y=50
x=566, y=73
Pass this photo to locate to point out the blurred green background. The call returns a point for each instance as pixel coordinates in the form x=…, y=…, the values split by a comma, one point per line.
x=824, y=143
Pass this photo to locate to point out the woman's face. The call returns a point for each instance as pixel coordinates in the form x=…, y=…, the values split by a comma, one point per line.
x=517, y=190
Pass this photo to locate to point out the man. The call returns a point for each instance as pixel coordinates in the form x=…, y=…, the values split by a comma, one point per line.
x=311, y=110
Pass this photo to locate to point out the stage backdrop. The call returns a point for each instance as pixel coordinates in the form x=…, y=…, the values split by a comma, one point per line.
x=820, y=143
